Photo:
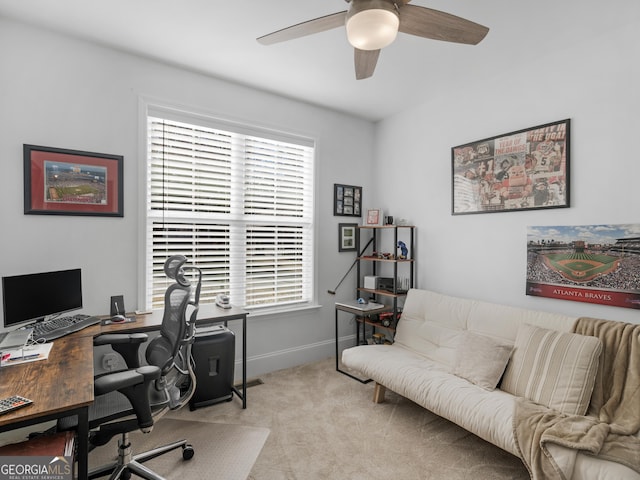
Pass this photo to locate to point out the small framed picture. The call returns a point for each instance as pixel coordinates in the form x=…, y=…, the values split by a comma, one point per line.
x=347, y=237
x=347, y=200
x=374, y=217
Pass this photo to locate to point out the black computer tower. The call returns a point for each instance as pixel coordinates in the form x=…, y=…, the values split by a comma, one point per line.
x=214, y=356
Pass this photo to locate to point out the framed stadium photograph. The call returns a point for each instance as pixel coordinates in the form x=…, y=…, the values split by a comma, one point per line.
x=587, y=263
x=71, y=182
x=522, y=170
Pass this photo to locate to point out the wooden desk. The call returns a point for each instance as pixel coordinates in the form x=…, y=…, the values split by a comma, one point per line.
x=60, y=386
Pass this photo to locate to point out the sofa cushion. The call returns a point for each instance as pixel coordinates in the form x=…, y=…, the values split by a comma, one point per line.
x=503, y=321
x=555, y=369
x=431, y=323
x=488, y=414
x=481, y=359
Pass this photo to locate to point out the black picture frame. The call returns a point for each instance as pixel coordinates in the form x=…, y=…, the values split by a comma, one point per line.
x=523, y=170
x=347, y=200
x=348, y=237
x=72, y=182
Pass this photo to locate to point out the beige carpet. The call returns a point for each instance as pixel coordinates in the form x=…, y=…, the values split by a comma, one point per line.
x=323, y=425
x=222, y=451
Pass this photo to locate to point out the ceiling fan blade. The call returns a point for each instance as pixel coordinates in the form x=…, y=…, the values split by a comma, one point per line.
x=309, y=27
x=365, y=61
x=437, y=25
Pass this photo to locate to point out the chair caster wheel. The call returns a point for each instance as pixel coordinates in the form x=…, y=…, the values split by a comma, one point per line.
x=126, y=474
x=188, y=452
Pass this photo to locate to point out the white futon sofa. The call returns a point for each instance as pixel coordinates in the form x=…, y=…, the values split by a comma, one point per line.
x=505, y=374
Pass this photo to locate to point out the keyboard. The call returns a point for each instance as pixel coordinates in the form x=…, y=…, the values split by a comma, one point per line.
x=14, y=402
x=53, y=328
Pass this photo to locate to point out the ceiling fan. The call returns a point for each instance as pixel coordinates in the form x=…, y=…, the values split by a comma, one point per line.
x=373, y=24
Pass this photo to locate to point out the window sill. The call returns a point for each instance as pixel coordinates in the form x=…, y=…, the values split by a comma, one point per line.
x=209, y=309
x=292, y=309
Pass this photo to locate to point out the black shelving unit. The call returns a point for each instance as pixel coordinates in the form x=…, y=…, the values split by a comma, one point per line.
x=382, y=236
x=396, y=293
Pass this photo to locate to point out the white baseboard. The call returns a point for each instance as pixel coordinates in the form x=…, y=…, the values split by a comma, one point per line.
x=277, y=360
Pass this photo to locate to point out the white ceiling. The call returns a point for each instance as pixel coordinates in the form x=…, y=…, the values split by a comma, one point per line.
x=218, y=38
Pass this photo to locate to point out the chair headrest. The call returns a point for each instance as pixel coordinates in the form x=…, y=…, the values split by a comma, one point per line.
x=173, y=269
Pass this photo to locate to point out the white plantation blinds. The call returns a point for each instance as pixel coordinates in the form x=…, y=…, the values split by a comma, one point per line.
x=238, y=203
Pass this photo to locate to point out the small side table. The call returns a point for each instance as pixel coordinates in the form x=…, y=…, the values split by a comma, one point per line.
x=358, y=311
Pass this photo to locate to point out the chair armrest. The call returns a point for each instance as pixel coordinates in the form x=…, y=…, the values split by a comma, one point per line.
x=115, y=381
x=126, y=344
x=120, y=338
x=134, y=384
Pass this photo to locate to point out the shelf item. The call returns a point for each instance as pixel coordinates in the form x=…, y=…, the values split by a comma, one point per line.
x=384, y=259
x=376, y=323
x=361, y=307
x=386, y=293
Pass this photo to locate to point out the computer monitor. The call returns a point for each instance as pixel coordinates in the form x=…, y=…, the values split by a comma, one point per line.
x=32, y=297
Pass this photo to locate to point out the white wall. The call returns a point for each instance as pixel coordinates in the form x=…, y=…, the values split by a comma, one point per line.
x=595, y=83
x=59, y=92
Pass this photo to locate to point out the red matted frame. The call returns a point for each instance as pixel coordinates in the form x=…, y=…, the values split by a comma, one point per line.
x=71, y=182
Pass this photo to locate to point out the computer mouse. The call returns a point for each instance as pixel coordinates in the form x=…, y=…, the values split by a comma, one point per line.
x=118, y=318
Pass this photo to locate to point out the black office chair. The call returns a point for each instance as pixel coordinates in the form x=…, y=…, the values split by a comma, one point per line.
x=134, y=399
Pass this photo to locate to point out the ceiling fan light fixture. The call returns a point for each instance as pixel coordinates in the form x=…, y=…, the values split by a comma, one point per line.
x=372, y=28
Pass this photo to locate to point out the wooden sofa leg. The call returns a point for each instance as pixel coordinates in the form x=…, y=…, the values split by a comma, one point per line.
x=378, y=393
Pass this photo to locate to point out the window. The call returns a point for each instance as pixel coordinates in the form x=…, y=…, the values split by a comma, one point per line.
x=238, y=202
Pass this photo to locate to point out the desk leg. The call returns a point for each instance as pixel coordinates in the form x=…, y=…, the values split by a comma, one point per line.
x=244, y=361
x=83, y=443
x=337, y=338
x=361, y=380
x=243, y=396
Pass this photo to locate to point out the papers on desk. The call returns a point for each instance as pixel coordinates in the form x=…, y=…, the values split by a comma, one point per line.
x=363, y=307
x=32, y=353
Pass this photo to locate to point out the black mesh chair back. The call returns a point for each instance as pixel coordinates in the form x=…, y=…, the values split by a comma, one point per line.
x=163, y=349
